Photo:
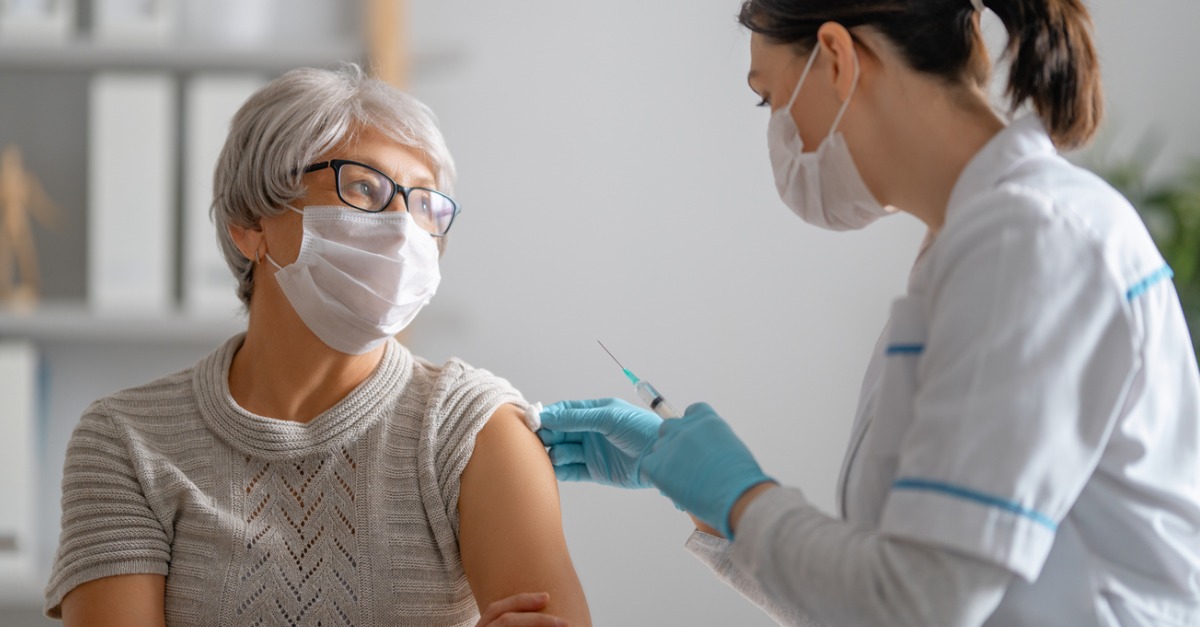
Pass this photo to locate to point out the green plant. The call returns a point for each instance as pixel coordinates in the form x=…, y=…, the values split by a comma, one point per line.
x=1171, y=211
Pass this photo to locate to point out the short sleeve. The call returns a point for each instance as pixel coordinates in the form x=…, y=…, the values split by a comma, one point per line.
x=462, y=400
x=108, y=527
x=1029, y=355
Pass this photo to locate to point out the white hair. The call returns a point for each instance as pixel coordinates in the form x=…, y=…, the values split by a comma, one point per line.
x=291, y=122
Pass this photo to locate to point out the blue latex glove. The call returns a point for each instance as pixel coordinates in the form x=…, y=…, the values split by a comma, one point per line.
x=601, y=441
x=700, y=464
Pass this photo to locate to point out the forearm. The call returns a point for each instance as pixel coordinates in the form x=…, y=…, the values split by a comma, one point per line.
x=806, y=560
x=717, y=553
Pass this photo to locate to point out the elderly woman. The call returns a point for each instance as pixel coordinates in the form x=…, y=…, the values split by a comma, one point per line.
x=312, y=471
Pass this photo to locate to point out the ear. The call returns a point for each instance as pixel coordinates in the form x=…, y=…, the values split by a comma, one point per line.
x=841, y=47
x=248, y=239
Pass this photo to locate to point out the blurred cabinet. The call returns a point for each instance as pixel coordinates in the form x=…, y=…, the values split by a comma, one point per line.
x=214, y=51
x=47, y=93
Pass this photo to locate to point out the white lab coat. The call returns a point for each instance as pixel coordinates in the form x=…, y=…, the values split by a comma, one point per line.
x=1028, y=436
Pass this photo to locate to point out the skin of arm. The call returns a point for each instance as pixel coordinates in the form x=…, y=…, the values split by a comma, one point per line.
x=120, y=601
x=744, y=501
x=510, y=522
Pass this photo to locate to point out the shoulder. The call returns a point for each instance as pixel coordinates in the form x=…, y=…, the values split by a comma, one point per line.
x=455, y=389
x=160, y=396
x=148, y=431
x=1044, y=258
x=457, y=400
x=162, y=408
x=1050, y=223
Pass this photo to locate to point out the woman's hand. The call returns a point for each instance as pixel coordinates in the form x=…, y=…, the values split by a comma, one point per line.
x=602, y=441
x=699, y=463
x=520, y=610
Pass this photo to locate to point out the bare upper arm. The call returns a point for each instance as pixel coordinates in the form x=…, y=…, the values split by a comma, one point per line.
x=119, y=601
x=510, y=530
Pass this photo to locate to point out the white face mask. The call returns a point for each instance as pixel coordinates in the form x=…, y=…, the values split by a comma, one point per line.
x=360, y=277
x=824, y=187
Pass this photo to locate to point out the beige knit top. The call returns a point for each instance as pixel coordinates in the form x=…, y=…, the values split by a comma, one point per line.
x=350, y=519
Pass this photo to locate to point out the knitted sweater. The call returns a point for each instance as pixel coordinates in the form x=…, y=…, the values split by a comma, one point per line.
x=350, y=519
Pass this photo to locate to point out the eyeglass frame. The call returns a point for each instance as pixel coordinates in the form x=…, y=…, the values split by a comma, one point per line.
x=336, y=166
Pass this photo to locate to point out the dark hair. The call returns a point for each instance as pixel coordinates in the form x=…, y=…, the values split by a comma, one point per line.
x=1053, y=60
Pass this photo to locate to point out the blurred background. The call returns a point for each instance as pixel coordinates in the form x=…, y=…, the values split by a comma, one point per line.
x=615, y=186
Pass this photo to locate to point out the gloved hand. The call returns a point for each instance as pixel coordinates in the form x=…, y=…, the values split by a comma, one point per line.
x=601, y=441
x=700, y=464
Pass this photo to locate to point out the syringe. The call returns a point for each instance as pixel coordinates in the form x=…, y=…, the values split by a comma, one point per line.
x=645, y=391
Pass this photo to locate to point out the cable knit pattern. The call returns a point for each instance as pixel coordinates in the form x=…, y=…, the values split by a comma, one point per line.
x=349, y=519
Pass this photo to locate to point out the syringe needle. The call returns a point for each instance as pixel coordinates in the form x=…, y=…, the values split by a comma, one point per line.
x=629, y=375
x=614, y=357
x=645, y=391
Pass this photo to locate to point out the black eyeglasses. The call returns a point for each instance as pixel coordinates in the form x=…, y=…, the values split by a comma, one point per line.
x=367, y=189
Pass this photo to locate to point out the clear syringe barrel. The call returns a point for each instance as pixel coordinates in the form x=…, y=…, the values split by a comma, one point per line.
x=654, y=400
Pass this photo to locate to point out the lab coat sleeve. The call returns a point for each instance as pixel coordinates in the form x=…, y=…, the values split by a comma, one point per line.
x=801, y=562
x=1028, y=360
x=717, y=554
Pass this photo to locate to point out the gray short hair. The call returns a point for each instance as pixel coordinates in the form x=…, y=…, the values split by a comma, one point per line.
x=292, y=121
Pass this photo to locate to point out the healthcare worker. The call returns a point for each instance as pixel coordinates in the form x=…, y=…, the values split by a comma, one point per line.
x=1025, y=449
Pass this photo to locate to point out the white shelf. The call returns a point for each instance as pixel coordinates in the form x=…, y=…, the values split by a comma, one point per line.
x=83, y=55
x=69, y=322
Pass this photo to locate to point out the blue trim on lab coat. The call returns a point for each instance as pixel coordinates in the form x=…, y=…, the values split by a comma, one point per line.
x=978, y=497
x=1145, y=284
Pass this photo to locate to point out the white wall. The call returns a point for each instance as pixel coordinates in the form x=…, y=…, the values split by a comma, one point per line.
x=616, y=187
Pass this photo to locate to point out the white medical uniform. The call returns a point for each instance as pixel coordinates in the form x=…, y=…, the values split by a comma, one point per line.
x=1032, y=410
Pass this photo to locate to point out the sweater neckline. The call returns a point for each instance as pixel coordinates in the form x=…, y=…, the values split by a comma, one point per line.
x=271, y=438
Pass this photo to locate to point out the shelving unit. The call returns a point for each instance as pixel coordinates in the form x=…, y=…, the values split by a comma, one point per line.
x=85, y=56
x=86, y=353
x=67, y=322
x=74, y=320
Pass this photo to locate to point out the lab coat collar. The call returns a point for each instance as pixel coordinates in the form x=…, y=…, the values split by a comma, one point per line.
x=1024, y=139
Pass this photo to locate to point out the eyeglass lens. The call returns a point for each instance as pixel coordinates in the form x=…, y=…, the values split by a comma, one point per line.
x=370, y=190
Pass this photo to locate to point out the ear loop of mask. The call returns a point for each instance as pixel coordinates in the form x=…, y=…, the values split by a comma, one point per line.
x=845, y=105
x=807, y=67
x=259, y=254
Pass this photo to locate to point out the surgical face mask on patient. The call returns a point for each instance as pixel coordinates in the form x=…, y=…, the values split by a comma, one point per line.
x=360, y=277
x=824, y=187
